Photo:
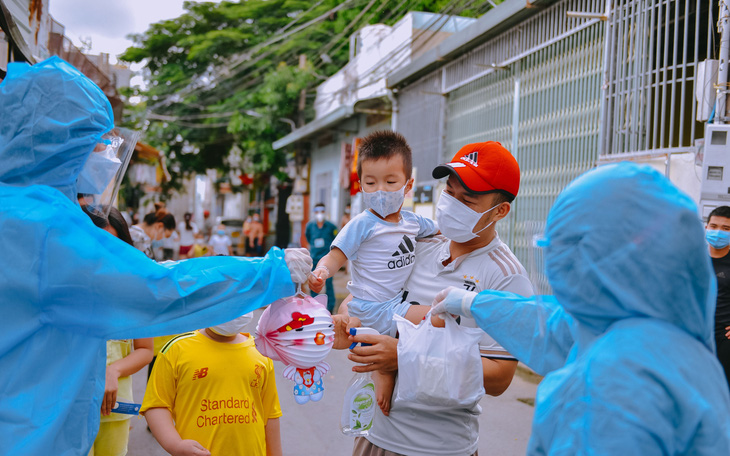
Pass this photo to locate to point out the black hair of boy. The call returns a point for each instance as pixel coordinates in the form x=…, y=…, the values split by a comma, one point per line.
x=720, y=211
x=385, y=144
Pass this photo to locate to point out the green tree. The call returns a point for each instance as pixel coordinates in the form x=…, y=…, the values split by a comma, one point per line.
x=224, y=79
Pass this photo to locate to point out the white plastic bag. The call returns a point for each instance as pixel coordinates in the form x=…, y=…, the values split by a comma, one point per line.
x=439, y=366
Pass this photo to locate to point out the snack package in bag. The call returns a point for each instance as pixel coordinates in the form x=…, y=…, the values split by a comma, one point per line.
x=439, y=366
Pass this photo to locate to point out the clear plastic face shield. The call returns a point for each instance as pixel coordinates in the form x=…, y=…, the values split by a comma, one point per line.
x=536, y=265
x=102, y=174
x=536, y=257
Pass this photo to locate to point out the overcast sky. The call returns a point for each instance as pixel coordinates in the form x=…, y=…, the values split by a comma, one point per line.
x=108, y=23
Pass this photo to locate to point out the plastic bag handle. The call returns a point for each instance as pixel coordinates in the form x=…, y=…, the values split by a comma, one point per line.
x=299, y=292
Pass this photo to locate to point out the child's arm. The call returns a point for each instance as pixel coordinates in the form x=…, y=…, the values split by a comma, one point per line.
x=139, y=358
x=427, y=227
x=159, y=420
x=327, y=266
x=273, y=437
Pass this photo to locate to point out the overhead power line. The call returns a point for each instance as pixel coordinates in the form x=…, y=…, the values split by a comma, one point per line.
x=451, y=8
x=225, y=71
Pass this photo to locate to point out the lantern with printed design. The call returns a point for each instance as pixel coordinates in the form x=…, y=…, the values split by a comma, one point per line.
x=299, y=332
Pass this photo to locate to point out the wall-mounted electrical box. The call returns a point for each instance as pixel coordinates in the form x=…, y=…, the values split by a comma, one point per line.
x=715, y=187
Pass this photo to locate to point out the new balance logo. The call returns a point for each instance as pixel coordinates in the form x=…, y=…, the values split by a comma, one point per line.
x=200, y=373
x=405, y=247
x=472, y=158
x=404, y=253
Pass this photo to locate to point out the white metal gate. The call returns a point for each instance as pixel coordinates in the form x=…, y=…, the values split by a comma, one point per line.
x=545, y=109
x=650, y=75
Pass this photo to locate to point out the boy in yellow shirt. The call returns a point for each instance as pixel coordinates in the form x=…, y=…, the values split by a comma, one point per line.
x=212, y=392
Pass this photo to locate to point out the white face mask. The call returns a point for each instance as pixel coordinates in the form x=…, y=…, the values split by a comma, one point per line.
x=319, y=216
x=233, y=327
x=384, y=203
x=98, y=171
x=457, y=221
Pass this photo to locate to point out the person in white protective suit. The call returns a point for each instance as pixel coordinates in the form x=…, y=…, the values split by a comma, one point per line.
x=626, y=342
x=67, y=286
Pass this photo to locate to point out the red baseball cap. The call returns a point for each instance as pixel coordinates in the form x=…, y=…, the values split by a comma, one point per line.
x=484, y=167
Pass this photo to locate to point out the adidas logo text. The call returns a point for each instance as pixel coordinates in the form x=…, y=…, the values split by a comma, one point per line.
x=401, y=262
x=404, y=253
x=406, y=246
x=472, y=158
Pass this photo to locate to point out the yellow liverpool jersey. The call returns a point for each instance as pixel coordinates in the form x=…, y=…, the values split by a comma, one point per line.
x=220, y=395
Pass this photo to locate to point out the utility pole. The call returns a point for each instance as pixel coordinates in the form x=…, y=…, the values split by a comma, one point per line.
x=303, y=93
x=722, y=77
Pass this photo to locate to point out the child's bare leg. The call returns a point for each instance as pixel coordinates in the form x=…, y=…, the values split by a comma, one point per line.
x=416, y=314
x=384, y=386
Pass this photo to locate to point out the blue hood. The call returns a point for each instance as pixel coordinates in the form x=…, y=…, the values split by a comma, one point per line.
x=623, y=242
x=51, y=117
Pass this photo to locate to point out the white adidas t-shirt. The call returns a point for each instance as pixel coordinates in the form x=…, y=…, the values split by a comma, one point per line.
x=415, y=429
x=381, y=253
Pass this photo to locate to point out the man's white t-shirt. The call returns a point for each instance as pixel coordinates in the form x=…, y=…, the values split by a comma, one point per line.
x=381, y=253
x=415, y=429
x=220, y=244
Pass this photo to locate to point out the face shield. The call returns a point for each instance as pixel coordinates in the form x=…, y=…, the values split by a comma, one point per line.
x=101, y=176
x=535, y=232
x=536, y=261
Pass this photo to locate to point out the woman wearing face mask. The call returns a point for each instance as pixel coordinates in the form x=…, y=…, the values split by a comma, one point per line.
x=187, y=230
x=154, y=227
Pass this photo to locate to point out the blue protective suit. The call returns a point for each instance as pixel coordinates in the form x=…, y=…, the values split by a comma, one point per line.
x=627, y=339
x=67, y=286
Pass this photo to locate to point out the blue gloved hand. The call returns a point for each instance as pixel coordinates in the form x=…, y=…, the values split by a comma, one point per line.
x=453, y=300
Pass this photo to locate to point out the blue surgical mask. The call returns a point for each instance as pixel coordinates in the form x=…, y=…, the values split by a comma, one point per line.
x=717, y=238
x=384, y=203
x=221, y=232
x=98, y=171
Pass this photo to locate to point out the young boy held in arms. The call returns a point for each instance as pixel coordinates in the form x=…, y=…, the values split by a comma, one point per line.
x=380, y=242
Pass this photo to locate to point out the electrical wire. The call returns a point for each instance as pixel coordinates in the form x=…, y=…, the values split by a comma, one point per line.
x=296, y=19
x=352, y=23
x=224, y=71
x=441, y=16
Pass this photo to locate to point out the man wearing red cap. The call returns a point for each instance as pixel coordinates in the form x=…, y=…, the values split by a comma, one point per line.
x=483, y=180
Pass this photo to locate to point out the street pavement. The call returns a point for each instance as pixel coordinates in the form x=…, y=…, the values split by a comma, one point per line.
x=312, y=429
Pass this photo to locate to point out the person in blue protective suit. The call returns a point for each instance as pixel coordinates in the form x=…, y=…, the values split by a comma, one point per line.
x=67, y=286
x=627, y=339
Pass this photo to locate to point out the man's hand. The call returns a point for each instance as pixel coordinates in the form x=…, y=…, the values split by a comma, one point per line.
x=317, y=277
x=381, y=355
x=299, y=263
x=189, y=448
x=343, y=323
x=727, y=334
x=454, y=301
x=111, y=386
